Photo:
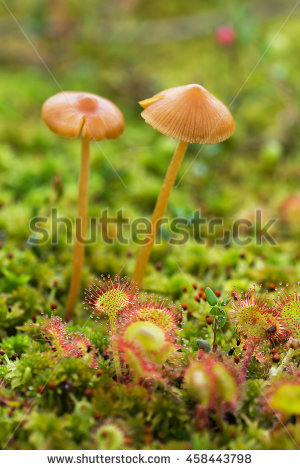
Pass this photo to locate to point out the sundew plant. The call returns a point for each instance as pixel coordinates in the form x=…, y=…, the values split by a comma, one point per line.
x=149, y=226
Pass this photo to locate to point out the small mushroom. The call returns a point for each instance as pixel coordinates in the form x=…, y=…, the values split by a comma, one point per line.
x=71, y=114
x=192, y=115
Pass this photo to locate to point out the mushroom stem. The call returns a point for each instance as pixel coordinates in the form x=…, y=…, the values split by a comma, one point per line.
x=158, y=212
x=81, y=225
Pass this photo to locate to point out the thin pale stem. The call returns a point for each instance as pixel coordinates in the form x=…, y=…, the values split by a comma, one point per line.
x=159, y=212
x=115, y=352
x=246, y=362
x=285, y=361
x=81, y=225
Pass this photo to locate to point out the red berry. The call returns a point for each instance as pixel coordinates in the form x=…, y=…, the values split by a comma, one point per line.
x=88, y=392
x=2, y=352
x=184, y=306
x=41, y=389
x=218, y=293
x=197, y=298
x=225, y=35
x=208, y=320
x=51, y=385
x=158, y=266
x=99, y=373
x=194, y=286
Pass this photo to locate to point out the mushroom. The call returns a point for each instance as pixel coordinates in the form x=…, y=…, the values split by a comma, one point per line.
x=192, y=115
x=71, y=114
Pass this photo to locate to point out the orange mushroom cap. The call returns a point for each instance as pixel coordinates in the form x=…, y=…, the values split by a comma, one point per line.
x=72, y=113
x=189, y=113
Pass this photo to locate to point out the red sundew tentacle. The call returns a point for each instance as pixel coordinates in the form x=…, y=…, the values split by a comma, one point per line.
x=111, y=297
x=287, y=301
x=65, y=343
x=161, y=312
x=255, y=317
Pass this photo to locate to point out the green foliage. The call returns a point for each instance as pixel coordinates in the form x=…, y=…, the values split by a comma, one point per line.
x=48, y=402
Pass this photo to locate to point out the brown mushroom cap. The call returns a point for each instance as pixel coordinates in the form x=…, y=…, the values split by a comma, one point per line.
x=72, y=113
x=189, y=113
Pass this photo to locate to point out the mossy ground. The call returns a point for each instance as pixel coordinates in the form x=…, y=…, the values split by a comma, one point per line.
x=39, y=170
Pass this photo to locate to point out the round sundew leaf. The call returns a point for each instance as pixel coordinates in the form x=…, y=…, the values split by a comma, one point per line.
x=286, y=399
x=225, y=383
x=112, y=301
x=148, y=335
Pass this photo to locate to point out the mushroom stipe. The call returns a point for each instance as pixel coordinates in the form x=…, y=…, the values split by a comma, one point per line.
x=193, y=115
x=71, y=114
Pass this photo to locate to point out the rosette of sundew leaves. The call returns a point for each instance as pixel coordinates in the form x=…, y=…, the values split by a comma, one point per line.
x=216, y=311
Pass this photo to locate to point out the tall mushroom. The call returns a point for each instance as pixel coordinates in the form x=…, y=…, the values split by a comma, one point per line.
x=71, y=114
x=192, y=115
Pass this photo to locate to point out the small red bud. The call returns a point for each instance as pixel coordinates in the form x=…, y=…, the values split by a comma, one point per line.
x=98, y=416
x=200, y=354
x=276, y=358
x=194, y=285
x=208, y=320
x=218, y=293
x=184, y=306
x=197, y=298
x=99, y=373
x=53, y=306
x=158, y=266
x=41, y=389
x=51, y=385
x=2, y=352
x=236, y=359
x=88, y=392
x=128, y=441
x=184, y=288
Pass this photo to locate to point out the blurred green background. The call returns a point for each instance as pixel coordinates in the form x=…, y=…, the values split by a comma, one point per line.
x=127, y=50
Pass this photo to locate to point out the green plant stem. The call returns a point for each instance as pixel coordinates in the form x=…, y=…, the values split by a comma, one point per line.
x=115, y=353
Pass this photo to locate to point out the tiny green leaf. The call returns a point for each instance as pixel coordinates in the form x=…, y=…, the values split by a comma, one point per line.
x=225, y=302
x=215, y=311
x=221, y=321
x=211, y=297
